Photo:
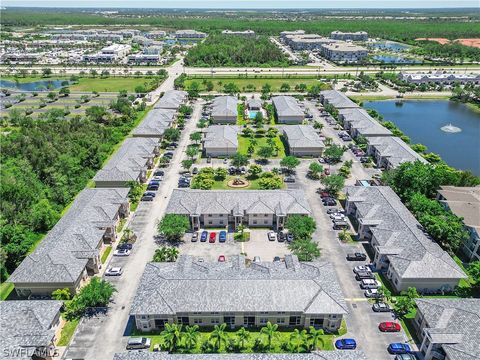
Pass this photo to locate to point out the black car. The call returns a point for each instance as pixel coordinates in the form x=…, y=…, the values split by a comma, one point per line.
x=282, y=237
x=358, y=256
x=364, y=159
x=183, y=185
x=364, y=275
x=329, y=202
x=149, y=193
x=168, y=154
x=159, y=173
x=146, y=198
x=152, y=187
x=125, y=246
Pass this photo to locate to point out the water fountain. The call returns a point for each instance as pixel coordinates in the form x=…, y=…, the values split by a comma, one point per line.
x=450, y=129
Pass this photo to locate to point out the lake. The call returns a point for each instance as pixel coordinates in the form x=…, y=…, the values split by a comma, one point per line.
x=388, y=45
x=41, y=85
x=421, y=120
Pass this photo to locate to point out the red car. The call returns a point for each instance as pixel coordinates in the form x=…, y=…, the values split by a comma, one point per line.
x=221, y=258
x=389, y=327
x=212, y=237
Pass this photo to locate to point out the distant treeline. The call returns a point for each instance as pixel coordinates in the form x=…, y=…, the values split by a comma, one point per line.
x=384, y=28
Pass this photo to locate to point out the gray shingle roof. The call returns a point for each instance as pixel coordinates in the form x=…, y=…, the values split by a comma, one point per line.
x=395, y=149
x=189, y=201
x=337, y=99
x=317, y=355
x=455, y=323
x=221, y=136
x=172, y=99
x=26, y=324
x=155, y=123
x=302, y=136
x=62, y=255
x=287, y=106
x=254, y=103
x=224, y=106
x=363, y=123
x=292, y=286
x=397, y=229
x=129, y=161
x=463, y=202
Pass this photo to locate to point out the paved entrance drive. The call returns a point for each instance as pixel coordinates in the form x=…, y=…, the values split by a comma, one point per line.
x=259, y=245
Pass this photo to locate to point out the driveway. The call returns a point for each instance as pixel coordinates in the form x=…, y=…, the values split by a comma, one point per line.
x=210, y=251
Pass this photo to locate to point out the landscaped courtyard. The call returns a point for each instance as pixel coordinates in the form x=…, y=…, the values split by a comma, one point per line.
x=259, y=142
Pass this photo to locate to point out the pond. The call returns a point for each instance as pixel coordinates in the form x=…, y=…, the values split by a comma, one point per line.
x=423, y=120
x=40, y=85
x=395, y=59
x=388, y=45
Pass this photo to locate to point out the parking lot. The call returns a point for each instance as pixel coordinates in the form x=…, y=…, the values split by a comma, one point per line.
x=259, y=245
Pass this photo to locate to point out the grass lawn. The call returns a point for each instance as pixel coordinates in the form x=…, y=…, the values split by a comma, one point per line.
x=5, y=290
x=242, y=237
x=67, y=332
x=256, y=82
x=282, y=338
x=106, y=252
x=222, y=185
x=407, y=325
x=244, y=142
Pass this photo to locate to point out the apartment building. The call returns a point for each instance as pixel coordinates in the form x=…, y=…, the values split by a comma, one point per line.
x=449, y=329
x=465, y=203
x=336, y=99
x=72, y=249
x=349, y=36
x=189, y=34
x=244, y=33
x=407, y=255
x=109, y=54
x=221, y=208
x=189, y=292
x=440, y=78
x=287, y=110
x=359, y=123
x=344, y=52
x=221, y=140
x=390, y=152
x=29, y=328
x=303, y=140
x=172, y=99
x=155, y=123
x=283, y=34
x=224, y=110
x=306, y=41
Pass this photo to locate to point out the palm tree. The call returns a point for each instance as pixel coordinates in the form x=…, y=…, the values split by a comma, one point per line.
x=243, y=335
x=190, y=336
x=298, y=340
x=171, y=336
x=219, y=336
x=172, y=254
x=270, y=330
x=315, y=338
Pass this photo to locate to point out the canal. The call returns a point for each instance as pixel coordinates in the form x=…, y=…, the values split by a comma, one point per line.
x=422, y=120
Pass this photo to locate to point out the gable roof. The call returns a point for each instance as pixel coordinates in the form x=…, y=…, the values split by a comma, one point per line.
x=463, y=202
x=224, y=106
x=167, y=288
x=155, y=123
x=362, y=122
x=337, y=99
x=302, y=136
x=171, y=99
x=221, y=136
x=395, y=150
x=287, y=106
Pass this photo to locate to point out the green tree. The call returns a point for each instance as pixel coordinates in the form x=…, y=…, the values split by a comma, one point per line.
x=304, y=249
x=187, y=164
x=406, y=302
x=285, y=87
x=271, y=332
x=220, y=174
x=190, y=337
x=301, y=227
x=43, y=216
x=192, y=152
x=333, y=183
x=196, y=137
x=254, y=171
x=239, y=160
x=290, y=162
x=334, y=153
x=265, y=152
x=314, y=170
x=315, y=338
x=259, y=119
x=270, y=181
x=171, y=336
x=173, y=226
x=62, y=294
x=96, y=113
x=242, y=336
x=65, y=91
x=298, y=340
x=474, y=271
x=248, y=132
x=218, y=336
x=194, y=89
x=209, y=86
x=172, y=134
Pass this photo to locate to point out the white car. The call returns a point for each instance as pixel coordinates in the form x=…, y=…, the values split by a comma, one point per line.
x=114, y=271
x=121, y=252
x=158, y=178
x=372, y=293
x=272, y=236
x=337, y=217
x=358, y=268
x=370, y=284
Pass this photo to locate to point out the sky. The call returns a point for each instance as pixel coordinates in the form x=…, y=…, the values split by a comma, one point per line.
x=248, y=4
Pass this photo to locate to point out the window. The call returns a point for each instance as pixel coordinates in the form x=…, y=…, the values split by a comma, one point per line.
x=215, y=313
x=263, y=312
x=255, y=215
x=215, y=321
x=263, y=320
x=210, y=223
x=145, y=326
x=294, y=320
x=333, y=316
x=209, y=215
x=221, y=222
x=220, y=215
x=144, y=317
x=254, y=222
x=280, y=321
x=197, y=321
x=265, y=221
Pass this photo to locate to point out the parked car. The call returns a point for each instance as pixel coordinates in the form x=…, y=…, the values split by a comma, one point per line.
x=361, y=275
x=146, y=198
x=339, y=225
x=159, y=173
x=324, y=194
x=276, y=259
x=168, y=154
x=405, y=357
x=337, y=217
x=149, y=193
x=204, y=236
x=153, y=187
x=225, y=161
x=329, y=201
x=154, y=182
x=222, y=236
x=358, y=268
x=256, y=259
x=381, y=307
x=326, y=171
x=372, y=294
x=389, y=326
x=364, y=159
x=195, y=171
x=195, y=236
x=157, y=178
x=121, y=252
x=212, y=237
x=321, y=160
x=346, y=344
x=209, y=160
x=370, y=284
x=221, y=258
x=399, y=348
x=289, y=237
x=289, y=179
x=358, y=256
x=114, y=271
x=125, y=246
x=138, y=343
x=332, y=211
x=272, y=236
x=282, y=236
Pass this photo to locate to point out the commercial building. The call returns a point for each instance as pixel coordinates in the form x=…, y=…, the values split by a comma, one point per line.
x=336, y=99
x=283, y=34
x=245, y=33
x=344, y=52
x=112, y=53
x=287, y=110
x=221, y=140
x=188, y=292
x=349, y=36
x=224, y=110
x=72, y=249
x=129, y=163
x=189, y=34
x=29, y=328
x=440, y=78
x=390, y=152
x=314, y=355
x=359, y=123
x=465, y=203
x=221, y=208
x=306, y=41
x=172, y=99
x=405, y=253
x=155, y=123
x=303, y=140
x=449, y=329
x=144, y=58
